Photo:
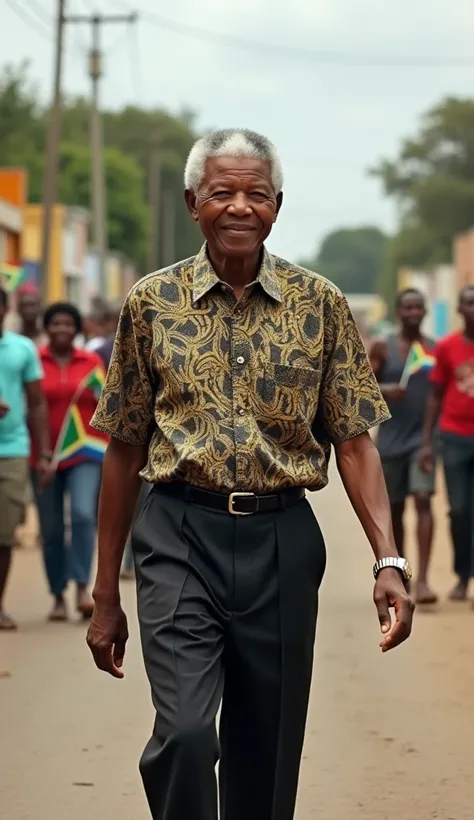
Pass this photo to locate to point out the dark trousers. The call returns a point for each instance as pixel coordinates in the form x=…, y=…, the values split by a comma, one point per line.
x=458, y=464
x=227, y=609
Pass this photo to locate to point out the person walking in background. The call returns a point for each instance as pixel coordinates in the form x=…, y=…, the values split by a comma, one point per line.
x=105, y=349
x=399, y=439
x=29, y=310
x=452, y=401
x=70, y=406
x=102, y=324
x=20, y=379
x=28, y=304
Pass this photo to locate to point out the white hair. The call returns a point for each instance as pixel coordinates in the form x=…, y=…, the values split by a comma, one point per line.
x=231, y=142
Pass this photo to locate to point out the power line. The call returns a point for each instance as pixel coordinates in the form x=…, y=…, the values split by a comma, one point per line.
x=301, y=53
x=30, y=21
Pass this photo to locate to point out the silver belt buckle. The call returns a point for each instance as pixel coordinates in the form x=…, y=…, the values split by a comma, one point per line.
x=232, y=496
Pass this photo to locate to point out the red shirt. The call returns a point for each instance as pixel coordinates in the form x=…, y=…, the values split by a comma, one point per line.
x=59, y=386
x=454, y=371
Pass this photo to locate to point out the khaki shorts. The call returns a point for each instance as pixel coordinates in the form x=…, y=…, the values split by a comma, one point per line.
x=404, y=477
x=13, y=479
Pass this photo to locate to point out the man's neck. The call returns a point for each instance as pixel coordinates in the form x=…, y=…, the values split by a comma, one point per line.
x=29, y=330
x=236, y=271
x=410, y=334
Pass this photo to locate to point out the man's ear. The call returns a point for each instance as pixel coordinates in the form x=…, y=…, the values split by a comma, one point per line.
x=279, y=203
x=190, y=200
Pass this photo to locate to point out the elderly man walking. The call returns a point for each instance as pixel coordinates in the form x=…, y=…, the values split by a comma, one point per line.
x=232, y=375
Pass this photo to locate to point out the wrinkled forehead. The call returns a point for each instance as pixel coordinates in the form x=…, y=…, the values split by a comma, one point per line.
x=243, y=169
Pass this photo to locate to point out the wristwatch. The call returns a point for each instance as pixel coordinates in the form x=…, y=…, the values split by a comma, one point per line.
x=397, y=563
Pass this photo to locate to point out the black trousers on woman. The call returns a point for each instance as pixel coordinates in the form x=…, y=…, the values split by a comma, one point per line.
x=227, y=608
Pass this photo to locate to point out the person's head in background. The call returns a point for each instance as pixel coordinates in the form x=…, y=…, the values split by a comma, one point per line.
x=466, y=309
x=101, y=322
x=411, y=310
x=62, y=323
x=3, y=308
x=28, y=302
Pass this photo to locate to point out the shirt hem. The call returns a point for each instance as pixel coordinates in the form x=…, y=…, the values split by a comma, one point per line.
x=104, y=428
x=362, y=429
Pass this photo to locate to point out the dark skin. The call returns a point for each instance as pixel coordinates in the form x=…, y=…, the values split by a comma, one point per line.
x=29, y=308
x=433, y=409
x=236, y=207
x=410, y=314
x=38, y=417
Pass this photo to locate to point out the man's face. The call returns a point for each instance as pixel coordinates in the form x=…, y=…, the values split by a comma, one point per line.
x=235, y=205
x=466, y=306
x=29, y=307
x=412, y=311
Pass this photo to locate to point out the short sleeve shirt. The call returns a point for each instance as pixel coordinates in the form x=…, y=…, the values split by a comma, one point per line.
x=238, y=395
x=454, y=371
x=19, y=365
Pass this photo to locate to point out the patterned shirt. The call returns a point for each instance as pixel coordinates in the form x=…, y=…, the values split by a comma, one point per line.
x=238, y=395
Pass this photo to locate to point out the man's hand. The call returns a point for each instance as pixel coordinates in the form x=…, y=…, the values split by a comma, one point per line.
x=394, y=392
x=426, y=458
x=45, y=472
x=107, y=636
x=389, y=592
x=4, y=408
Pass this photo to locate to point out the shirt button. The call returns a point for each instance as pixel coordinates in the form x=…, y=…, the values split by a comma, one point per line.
x=240, y=360
x=241, y=411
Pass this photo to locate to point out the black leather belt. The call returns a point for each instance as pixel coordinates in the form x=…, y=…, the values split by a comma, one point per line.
x=237, y=503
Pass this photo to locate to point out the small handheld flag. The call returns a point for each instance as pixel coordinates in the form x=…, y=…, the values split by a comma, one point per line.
x=12, y=276
x=418, y=359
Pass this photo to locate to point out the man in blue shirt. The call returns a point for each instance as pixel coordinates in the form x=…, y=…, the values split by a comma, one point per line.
x=21, y=400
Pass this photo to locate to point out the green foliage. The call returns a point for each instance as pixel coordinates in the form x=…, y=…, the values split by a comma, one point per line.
x=432, y=181
x=131, y=136
x=352, y=258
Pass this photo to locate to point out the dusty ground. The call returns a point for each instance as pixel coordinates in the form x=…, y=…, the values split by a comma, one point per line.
x=388, y=737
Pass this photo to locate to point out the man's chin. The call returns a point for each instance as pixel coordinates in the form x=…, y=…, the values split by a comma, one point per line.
x=245, y=246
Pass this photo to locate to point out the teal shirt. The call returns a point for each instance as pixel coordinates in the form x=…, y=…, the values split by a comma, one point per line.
x=19, y=364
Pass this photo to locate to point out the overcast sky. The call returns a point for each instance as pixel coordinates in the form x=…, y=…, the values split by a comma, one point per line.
x=330, y=120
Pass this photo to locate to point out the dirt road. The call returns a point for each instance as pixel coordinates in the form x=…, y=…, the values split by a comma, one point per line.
x=388, y=737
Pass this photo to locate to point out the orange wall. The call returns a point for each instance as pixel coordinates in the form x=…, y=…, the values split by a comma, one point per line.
x=13, y=186
x=32, y=246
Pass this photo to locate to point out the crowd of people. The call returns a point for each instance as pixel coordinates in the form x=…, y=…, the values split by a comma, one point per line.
x=432, y=419
x=44, y=368
x=43, y=364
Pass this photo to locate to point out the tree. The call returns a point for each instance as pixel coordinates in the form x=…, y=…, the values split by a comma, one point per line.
x=127, y=211
x=130, y=136
x=432, y=182
x=352, y=258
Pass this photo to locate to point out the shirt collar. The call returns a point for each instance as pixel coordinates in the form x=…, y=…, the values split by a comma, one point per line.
x=205, y=277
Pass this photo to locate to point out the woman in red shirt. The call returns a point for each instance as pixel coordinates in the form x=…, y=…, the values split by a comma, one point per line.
x=77, y=460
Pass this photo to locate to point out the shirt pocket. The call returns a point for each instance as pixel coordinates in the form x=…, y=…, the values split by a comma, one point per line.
x=290, y=392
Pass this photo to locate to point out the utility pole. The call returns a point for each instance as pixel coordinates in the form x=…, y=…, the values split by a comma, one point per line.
x=169, y=228
x=154, y=201
x=99, y=199
x=52, y=150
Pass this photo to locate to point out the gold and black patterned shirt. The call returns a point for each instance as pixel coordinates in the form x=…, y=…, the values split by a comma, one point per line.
x=244, y=395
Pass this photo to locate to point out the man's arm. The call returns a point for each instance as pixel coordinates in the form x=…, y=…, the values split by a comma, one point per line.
x=126, y=413
x=378, y=357
x=38, y=416
x=118, y=499
x=361, y=472
x=433, y=409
